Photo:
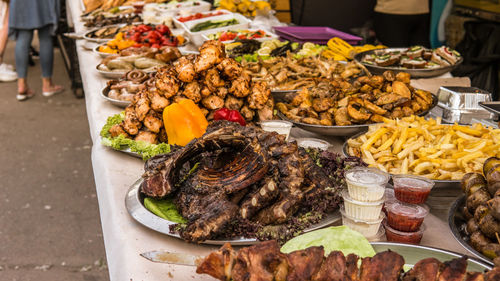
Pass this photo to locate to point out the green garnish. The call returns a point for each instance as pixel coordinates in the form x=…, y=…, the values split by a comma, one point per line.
x=213, y=24
x=165, y=209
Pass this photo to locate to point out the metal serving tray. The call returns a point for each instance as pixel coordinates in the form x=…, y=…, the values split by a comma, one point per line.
x=457, y=223
x=119, y=103
x=135, y=207
x=491, y=106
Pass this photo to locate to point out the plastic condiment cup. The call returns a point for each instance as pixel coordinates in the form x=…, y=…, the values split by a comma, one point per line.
x=367, y=228
x=380, y=236
x=394, y=235
x=405, y=217
x=281, y=127
x=313, y=143
x=389, y=198
x=412, y=189
x=367, y=211
x=366, y=184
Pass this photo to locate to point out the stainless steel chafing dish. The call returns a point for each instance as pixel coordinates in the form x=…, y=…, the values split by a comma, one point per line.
x=461, y=104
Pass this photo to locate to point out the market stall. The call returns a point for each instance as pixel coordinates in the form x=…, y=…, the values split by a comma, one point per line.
x=116, y=173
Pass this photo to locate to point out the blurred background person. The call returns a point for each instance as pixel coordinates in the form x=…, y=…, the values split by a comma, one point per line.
x=26, y=16
x=7, y=72
x=402, y=23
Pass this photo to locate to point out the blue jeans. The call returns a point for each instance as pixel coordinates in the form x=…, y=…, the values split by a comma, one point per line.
x=23, y=43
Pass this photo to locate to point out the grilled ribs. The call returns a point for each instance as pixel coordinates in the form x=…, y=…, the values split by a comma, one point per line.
x=231, y=173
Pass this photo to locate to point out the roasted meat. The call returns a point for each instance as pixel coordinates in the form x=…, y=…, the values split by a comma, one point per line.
x=264, y=261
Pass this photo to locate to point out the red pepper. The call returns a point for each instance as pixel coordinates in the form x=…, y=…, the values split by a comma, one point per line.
x=222, y=114
x=235, y=116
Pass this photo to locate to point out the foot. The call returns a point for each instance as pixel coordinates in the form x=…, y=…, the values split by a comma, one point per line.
x=7, y=74
x=28, y=94
x=52, y=90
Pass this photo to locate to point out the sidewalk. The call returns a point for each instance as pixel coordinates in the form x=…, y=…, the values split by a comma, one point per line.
x=49, y=218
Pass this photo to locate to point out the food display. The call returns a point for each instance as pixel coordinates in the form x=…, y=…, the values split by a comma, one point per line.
x=129, y=85
x=211, y=80
x=366, y=184
x=256, y=50
x=411, y=189
x=482, y=209
x=240, y=181
x=212, y=24
x=111, y=16
x=246, y=7
x=288, y=73
x=416, y=57
x=414, y=145
x=339, y=49
x=198, y=16
x=107, y=32
x=183, y=122
x=364, y=101
x=231, y=35
x=265, y=261
x=144, y=58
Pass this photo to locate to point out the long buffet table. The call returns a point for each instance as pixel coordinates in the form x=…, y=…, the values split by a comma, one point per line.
x=115, y=172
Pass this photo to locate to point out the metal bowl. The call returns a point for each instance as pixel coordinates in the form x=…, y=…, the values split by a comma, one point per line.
x=414, y=253
x=119, y=103
x=457, y=223
x=134, y=202
x=437, y=183
x=344, y=131
x=415, y=73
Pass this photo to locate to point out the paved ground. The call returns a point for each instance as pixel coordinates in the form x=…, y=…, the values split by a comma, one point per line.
x=49, y=218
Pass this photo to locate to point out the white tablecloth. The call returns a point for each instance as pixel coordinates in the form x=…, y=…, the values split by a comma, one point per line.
x=115, y=172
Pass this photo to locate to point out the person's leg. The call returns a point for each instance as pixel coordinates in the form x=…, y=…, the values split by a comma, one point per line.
x=23, y=42
x=47, y=60
x=4, y=32
x=391, y=30
x=421, y=30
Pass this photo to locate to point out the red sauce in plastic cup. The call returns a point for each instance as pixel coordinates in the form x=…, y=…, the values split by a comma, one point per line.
x=394, y=235
x=405, y=217
x=412, y=189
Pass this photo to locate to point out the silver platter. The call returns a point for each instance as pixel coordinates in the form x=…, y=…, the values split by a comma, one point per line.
x=457, y=223
x=342, y=131
x=87, y=37
x=437, y=183
x=118, y=74
x=119, y=103
x=414, y=253
x=415, y=73
x=134, y=204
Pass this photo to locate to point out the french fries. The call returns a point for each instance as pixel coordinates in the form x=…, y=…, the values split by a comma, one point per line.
x=413, y=145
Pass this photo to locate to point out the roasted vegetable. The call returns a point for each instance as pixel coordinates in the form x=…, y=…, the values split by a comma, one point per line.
x=184, y=121
x=491, y=250
x=489, y=226
x=471, y=182
x=478, y=240
x=472, y=226
x=477, y=198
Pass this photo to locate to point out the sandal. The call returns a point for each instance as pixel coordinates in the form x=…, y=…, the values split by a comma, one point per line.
x=28, y=94
x=55, y=90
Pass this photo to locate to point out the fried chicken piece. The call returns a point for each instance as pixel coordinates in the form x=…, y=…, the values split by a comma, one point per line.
x=407, y=111
x=168, y=53
x=356, y=110
x=158, y=103
x=240, y=87
x=141, y=105
x=389, y=75
x=218, y=264
x=375, y=118
x=474, y=276
x=400, y=89
x=192, y=91
x=334, y=268
x=117, y=130
x=424, y=95
x=205, y=92
x=261, y=262
x=376, y=81
x=153, y=121
x=325, y=119
x=259, y=96
x=396, y=113
x=384, y=266
x=167, y=82
x=130, y=123
x=247, y=113
x=311, y=120
x=146, y=136
x=266, y=112
x=388, y=98
x=213, y=80
x=185, y=69
x=305, y=263
x=403, y=77
x=341, y=118
x=213, y=102
x=424, y=270
x=211, y=53
x=322, y=104
x=231, y=68
x=493, y=274
x=374, y=108
x=454, y=270
x=352, y=267
x=222, y=92
x=233, y=103
x=162, y=135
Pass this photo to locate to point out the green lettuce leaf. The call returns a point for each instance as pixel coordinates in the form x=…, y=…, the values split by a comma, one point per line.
x=165, y=209
x=335, y=238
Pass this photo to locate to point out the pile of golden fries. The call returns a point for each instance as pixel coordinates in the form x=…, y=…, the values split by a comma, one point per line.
x=413, y=145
